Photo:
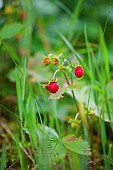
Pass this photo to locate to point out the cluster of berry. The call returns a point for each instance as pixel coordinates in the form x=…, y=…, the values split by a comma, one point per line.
x=53, y=86
x=48, y=60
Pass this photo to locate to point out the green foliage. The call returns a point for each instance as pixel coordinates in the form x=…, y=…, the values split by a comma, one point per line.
x=76, y=145
x=104, y=52
x=82, y=107
x=3, y=158
x=50, y=146
x=8, y=31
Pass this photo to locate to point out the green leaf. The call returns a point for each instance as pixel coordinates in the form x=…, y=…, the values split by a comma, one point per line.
x=104, y=52
x=74, y=17
x=3, y=158
x=76, y=145
x=50, y=147
x=10, y=30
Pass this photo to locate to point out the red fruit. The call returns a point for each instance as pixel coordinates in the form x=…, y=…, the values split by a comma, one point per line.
x=55, y=61
x=53, y=87
x=47, y=61
x=23, y=15
x=79, y=71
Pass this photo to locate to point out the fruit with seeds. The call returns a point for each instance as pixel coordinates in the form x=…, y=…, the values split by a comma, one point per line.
x=53, y=87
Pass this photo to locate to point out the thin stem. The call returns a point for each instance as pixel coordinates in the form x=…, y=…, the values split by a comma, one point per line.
x=55, y=74
x=75, y=100
x=98, y=140
x=66, y=78
x=91, y=133
x=71, y=78
x=71, y=91
x=98, y=137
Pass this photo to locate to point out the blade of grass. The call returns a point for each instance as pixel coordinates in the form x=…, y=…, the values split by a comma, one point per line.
x=9, y=111
x=103, y=139
x=56, y=117
x=20, y=106
x=62, y=6
x=24, y=77
x=74, y=18
x=12, y=55
x=103, y=50
x=109, y=157
x=30, y=118
x=90, y=65
x=3, y=158
x=107, y=20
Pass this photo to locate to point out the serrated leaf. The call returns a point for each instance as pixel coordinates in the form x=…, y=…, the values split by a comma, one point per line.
x=76, y=145
x=49, y=139
x=10, y=30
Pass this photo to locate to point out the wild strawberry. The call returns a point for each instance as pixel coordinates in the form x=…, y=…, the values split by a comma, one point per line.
x=47, y=61
x=23, y=15
x=55, y=61
x=53, y=87
x=79, y=71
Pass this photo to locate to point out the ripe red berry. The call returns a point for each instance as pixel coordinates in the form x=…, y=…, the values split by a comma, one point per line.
x=79, y=71
x=53, y=87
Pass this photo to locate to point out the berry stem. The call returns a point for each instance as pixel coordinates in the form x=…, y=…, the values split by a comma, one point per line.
x=66, y=78
x=71, y=78
x=55, y=73
x=73, y=94
x=75, y=100
x=65, y=60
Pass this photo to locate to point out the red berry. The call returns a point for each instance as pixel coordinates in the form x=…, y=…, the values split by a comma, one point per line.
x=79, y=71
x=47, y=61
x=23, y=15
x=53, y=87
x=55, y=61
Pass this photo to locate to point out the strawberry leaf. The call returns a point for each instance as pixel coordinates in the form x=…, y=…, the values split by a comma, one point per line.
x=76, y=145
x=10, y=30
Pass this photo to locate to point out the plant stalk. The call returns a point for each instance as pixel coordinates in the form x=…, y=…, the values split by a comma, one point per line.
x=71, y=91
